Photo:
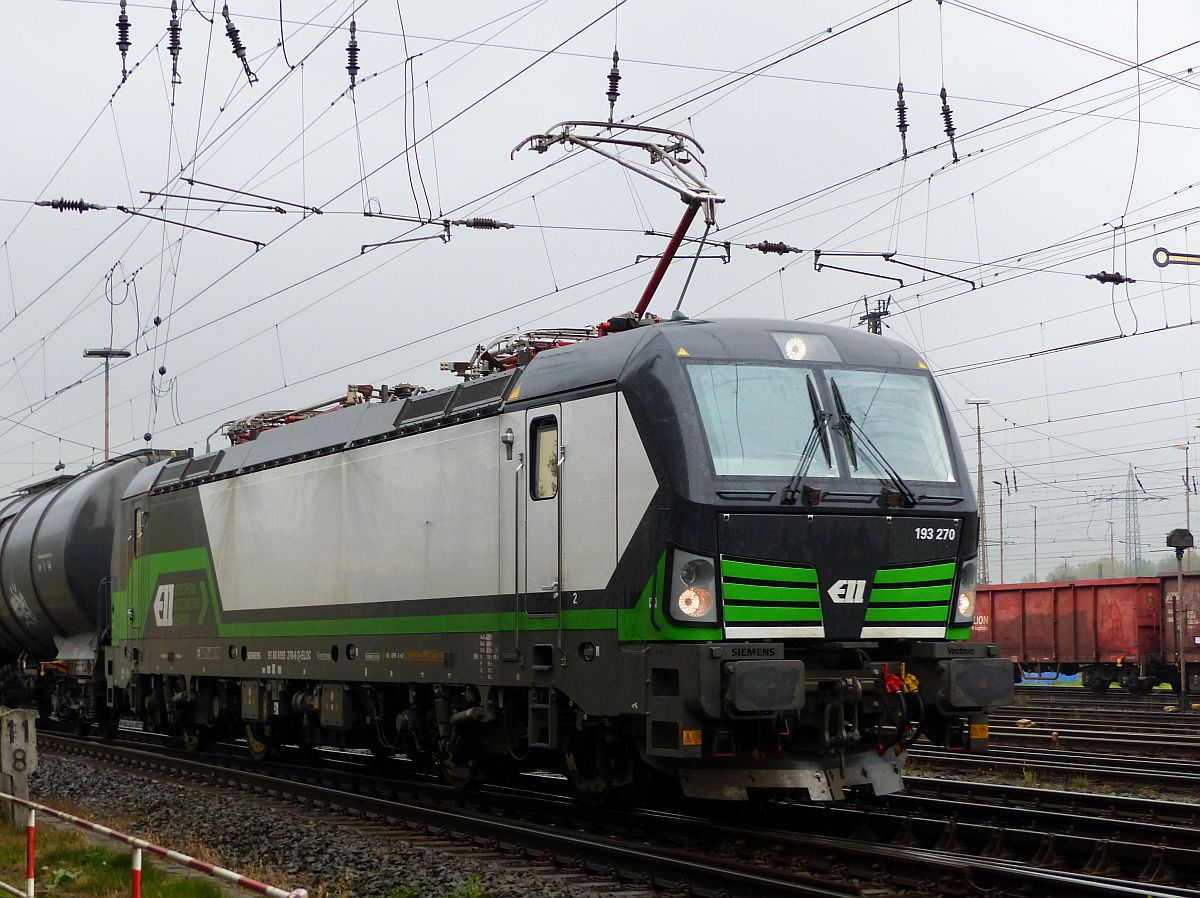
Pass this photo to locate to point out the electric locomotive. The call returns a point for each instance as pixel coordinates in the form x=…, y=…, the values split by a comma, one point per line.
x=735, y=556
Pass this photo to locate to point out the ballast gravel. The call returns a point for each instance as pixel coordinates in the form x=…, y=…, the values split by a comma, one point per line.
x=245, y=832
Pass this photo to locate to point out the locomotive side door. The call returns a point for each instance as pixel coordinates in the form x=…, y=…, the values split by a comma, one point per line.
x=543, y=511
x=137, y=572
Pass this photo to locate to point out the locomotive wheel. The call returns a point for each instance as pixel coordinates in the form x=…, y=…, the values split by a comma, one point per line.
x=193, y=737
x=108, y=726
x=594, y=779
x=1094, y=682
x=457, y=772
x=381, y=752
x=259, y=741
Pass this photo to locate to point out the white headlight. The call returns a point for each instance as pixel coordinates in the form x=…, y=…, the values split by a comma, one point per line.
x=692, y=588
x=795, y=348
x=695, y=601
x=964, y=608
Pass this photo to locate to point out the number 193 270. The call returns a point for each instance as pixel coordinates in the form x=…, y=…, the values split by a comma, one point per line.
x=935, y=533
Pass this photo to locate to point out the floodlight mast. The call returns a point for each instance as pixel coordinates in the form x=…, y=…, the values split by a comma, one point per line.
x=676, y=150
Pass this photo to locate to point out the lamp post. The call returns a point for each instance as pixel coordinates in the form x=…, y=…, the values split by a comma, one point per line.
x=983, y=560
x=1000, y=492
x=1187, y=491
x=1180, y=541
x=1035, y=566
x=108, y=354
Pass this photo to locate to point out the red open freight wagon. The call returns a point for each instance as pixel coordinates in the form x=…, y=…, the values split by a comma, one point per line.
x=1118, y=630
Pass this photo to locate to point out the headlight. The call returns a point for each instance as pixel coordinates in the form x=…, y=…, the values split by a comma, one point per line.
x=698, y=570
x=964, y=609
x=695, y=602
x=693, y=588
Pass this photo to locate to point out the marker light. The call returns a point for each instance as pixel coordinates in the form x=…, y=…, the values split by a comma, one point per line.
x=695, y=601
x=693, y=588
x=795, y=348
x=805, y=347
x=964, y=609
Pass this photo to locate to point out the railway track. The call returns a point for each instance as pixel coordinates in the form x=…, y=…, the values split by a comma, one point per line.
x=1115, y=699
x=1076, y=721
x=1116, y=721
x=1040, y=764
x=928, y=848
x=1157, y=743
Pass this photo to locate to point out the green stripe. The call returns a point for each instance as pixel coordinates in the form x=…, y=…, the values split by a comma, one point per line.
x=958, y=632
x=648, y=621
x=916, y=574
x=912, y=594
x=750, y=570
x=643, y=622
x=739, y=614
x=932, y=615
x=771, y=593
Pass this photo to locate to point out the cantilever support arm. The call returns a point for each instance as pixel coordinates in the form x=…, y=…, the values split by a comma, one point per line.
x=665, y=262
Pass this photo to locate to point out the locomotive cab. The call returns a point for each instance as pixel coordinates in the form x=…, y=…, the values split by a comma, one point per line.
x=802, y=584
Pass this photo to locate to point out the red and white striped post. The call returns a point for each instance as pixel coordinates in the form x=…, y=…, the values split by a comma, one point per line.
x=137, y=873
x=138, y=846
x=30, y=844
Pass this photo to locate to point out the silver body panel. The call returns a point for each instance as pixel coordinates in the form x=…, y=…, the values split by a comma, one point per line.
x=394, y=521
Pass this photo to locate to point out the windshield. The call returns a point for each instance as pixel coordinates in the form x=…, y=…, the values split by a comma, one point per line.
x=758, y=418
x=899, y=415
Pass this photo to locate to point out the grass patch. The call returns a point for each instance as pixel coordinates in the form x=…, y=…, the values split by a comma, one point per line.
x=69, y=865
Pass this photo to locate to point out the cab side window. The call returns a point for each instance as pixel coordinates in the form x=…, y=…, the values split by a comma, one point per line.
x=543, y=436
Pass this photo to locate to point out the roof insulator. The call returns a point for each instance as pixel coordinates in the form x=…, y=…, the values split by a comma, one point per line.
x=614, y=78
x=948, y=118
x=123, y=42
x=64, y=205
x=902, y=118
x=175, y=42
x=1110, y=277
x=238, y=50
x=767, y=246
x=352, y=55
x=484, y=224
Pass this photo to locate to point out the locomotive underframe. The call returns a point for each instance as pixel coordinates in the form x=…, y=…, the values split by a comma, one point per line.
x=721, y=719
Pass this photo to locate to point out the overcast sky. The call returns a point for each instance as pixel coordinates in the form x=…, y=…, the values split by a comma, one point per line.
x=1072, y=160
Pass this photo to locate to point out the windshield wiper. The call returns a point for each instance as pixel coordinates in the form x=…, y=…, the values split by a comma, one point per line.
x=816, y=435
x=848, y=427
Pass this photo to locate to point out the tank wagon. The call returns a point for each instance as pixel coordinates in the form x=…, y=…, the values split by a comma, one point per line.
x=738, y=555
x=1121, y=630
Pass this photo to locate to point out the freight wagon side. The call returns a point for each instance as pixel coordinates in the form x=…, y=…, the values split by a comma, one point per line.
x=1110, y=631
